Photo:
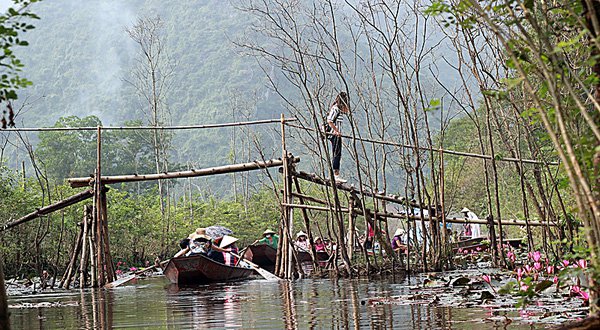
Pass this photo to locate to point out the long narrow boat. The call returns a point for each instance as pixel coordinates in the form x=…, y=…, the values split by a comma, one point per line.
x=200, y=269
x=262, y=255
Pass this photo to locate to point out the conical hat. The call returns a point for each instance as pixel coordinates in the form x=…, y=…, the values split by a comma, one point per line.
x=227, y=240
x=268, y=231
x=195, y=235
x=301, y=233
x=399, y=232
x=465, y=210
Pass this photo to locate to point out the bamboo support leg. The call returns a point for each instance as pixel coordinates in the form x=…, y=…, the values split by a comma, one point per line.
x=68, y=276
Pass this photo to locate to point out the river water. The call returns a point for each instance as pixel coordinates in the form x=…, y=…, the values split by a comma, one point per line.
x=153, y=303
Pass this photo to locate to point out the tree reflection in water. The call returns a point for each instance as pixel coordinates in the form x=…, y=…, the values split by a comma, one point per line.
x=253, y=304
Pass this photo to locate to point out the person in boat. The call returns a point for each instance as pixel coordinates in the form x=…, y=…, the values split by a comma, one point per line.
x=228, y=244
x=202, y=244
x=184, y=245
x=302, y=244
x=399, y=240
x=320, y=245
x=475, y=230
x=270, y=238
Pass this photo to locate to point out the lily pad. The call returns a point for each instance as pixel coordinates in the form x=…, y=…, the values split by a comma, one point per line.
x=460, y=281
x=543, y=285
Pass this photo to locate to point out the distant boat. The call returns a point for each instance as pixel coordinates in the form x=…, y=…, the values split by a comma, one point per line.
x=200, y=269
x=263, y=255
x=322, y=257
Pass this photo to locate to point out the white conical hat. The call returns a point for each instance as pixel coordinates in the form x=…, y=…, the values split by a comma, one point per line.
x=465, y=210
x=227, y=240
x=301, y=233
x=399, y=232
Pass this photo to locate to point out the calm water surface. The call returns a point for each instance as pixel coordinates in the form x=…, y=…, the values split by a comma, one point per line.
x=254, y=304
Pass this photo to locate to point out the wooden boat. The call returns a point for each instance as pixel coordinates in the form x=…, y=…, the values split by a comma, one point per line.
x=305, y=256
x=263, y=255
x=200, y=269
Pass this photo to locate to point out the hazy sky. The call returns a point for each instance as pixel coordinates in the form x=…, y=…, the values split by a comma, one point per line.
x=4, y=4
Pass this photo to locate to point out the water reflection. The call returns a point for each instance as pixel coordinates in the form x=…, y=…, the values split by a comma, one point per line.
x=254, y=304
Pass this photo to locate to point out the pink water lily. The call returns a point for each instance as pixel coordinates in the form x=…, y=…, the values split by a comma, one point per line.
x=537, y=256
x=119, y=272
x=550, y=270
x=511, y=256
x=582, y=263
x=575, y=289
x=132, y=269
x=486, y=278
x=584, y=295
x=565, y=263
x=555, y=280
x=519, y=273
x=528, y=269
x=537, y=266
x=524, y=287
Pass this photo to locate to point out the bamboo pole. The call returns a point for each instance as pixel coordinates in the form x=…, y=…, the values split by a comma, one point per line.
x=66, y=280
x=509, y=222
x=49, y=209
x=446, y=151
x=84, y=182
x=348, y=188
x=108, y=263
x=98, y=211
x=312, y=249
x=125, y=128
x=4, y=314
x=83, y=263
x=351, y=227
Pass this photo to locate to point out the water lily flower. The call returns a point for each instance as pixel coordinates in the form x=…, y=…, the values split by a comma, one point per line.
x=486, y=278
x=519, y=273
x=119, y=272
x=528, y=269
x=555, y=280
x=584, y=295
x=511, y=256
x=537, y=266
x=478, y=248
x=537, y=256
x=565, y=263
x=575, y=289
x=460, y=250
x=582, y=263
x=550, y=269
x=132, y=269
x=524, y=287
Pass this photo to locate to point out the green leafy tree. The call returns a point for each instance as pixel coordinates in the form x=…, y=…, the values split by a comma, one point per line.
x=12, y=23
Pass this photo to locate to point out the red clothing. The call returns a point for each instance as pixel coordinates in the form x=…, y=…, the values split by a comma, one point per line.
x=230, y=259
x=320, y=247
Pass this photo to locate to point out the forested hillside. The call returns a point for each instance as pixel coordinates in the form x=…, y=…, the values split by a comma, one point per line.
x=80, y=66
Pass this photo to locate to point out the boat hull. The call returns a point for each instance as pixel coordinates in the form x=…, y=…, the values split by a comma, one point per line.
x=262, y=255
x=199, y=269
